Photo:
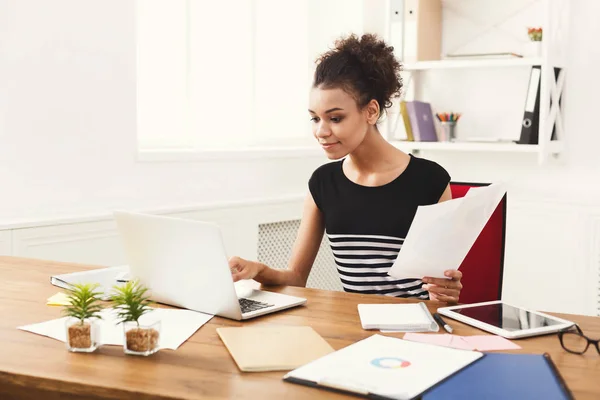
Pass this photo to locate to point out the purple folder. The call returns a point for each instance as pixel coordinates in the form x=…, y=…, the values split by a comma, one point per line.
x=421, y=121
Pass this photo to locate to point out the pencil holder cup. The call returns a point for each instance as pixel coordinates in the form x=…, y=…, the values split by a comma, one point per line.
x=448, y=131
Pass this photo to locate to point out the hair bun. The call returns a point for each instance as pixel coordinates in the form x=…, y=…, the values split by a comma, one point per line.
x=366, y=65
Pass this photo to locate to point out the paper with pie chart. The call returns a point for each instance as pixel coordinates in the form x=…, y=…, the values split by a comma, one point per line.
x=384, y=366
x=442, y=234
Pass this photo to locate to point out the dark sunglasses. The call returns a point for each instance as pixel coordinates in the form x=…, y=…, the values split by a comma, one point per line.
x=574, y=341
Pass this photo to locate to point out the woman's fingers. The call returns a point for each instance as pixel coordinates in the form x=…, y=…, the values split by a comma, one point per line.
x=454, y=274
x=446, y=290
x=447, y=283
x=238, y=272
x=444, y=298
x=442, y=290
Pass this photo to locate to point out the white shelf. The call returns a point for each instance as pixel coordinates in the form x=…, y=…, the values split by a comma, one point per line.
x=554, y=147
x=473, y=63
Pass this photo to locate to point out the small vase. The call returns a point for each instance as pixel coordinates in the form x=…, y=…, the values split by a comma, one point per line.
x=82, y=337
x=141, y=340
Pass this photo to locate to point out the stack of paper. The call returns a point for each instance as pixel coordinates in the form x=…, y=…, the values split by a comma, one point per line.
x=176, y=326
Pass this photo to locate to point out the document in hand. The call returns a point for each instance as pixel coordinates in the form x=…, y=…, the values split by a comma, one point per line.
x=442, y=234
x=383, y=367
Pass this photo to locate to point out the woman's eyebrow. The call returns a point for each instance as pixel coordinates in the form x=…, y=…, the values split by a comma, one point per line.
x=328, y=111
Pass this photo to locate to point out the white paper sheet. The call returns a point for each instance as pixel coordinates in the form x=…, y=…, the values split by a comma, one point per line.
x=176, y=327
x=386, y=366
x=442, y=234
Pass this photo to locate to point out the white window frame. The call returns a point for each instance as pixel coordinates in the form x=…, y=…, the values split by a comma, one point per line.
x=193, y=153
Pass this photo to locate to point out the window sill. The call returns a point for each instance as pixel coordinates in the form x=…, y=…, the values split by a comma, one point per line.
x=251, y=153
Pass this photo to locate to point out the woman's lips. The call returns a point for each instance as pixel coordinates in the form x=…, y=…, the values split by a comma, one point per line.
x=328, y=146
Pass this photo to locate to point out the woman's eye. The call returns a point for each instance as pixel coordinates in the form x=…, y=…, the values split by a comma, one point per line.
x=336, y=119
x=314, y=119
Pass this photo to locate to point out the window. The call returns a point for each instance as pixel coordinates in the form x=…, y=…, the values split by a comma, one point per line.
x=232, y=74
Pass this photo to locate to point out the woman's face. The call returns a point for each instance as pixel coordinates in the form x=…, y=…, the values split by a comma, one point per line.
x=337, y=123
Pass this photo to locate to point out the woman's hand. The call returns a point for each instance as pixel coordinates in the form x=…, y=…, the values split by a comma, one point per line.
x=244, y=269
x=447, y=290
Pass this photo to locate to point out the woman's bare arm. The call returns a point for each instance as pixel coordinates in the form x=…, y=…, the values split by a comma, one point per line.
x=304, y=252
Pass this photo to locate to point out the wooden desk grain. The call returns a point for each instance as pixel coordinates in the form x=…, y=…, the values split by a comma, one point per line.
x=33, y=366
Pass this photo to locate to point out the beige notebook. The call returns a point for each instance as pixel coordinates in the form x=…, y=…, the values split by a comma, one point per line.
x=273, y=348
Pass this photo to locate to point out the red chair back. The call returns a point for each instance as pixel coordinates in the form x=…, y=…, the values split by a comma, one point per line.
x=483, y=266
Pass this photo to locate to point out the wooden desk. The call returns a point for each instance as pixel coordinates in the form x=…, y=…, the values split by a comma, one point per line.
x=34, y=366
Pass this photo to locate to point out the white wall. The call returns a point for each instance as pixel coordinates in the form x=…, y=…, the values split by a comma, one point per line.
x=67, y=121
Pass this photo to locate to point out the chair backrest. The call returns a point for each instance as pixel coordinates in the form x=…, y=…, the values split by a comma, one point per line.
x=483, y=266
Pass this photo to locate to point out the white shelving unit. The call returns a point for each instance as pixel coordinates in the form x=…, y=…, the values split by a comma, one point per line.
x=555, y=147
x=553, y=56
x=471, y=63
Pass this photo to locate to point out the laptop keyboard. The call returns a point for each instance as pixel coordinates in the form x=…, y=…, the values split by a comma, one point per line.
x=248, y=305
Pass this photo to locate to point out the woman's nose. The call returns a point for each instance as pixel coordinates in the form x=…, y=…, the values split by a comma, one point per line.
x=322, y=131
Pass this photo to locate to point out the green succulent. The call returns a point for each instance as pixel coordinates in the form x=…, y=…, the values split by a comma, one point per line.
x=84, y=301
x=131, y=301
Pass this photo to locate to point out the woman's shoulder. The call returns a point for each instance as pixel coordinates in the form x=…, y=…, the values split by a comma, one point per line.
x=424, y=168
x=430, y=177
x=327, y=170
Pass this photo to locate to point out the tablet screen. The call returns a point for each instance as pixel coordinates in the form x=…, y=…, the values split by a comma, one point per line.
x=507, y=317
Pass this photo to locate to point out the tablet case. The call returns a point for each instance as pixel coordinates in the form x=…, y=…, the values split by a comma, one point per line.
x=274, y=348
x=504, y=376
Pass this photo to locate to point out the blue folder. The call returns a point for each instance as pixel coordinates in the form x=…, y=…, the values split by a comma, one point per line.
x=504, y=376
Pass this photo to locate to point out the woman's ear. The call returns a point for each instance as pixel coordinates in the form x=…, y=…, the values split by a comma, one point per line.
x=372, y=112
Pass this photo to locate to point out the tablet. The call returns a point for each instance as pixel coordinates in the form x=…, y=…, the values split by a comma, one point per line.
x=502, y=319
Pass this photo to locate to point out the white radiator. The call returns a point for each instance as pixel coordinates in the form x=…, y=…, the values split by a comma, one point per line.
x=275, y=243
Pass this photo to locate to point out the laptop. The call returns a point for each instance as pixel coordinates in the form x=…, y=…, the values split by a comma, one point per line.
x=184, y=264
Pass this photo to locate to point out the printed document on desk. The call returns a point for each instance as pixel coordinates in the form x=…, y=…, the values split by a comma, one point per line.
x=383, y=367
x=442, y=234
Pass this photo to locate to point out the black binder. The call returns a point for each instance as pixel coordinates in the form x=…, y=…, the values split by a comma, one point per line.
x=531, y=117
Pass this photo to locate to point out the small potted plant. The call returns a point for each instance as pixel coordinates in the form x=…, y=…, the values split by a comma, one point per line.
x=83, y=310
x=131, y=301
x=535, y=37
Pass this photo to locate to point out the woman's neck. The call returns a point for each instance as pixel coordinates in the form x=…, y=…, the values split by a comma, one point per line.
x=375, y=154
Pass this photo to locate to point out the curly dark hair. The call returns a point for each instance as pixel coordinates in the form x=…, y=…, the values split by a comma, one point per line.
x=363, y=67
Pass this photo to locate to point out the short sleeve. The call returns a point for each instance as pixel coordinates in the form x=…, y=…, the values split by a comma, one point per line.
x=315, y=186
x=439, y=179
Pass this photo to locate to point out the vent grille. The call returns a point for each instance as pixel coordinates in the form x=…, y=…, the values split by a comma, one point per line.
x=275, y=243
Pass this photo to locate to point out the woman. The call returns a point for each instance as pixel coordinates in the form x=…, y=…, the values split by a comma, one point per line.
x=367, y=200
